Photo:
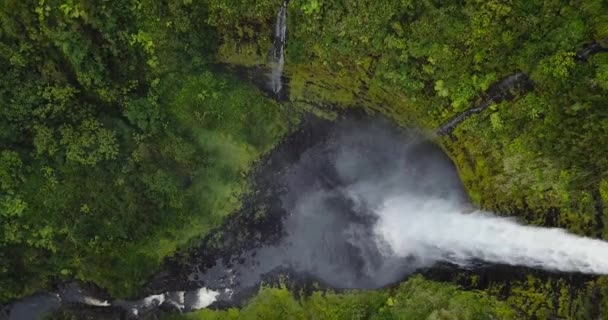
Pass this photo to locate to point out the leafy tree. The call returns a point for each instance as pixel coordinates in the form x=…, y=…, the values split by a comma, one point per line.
x=89, y=143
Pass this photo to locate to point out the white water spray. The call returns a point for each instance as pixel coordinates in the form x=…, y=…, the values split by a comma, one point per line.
x=277, y=54
x=433, y=230
x=423, y=215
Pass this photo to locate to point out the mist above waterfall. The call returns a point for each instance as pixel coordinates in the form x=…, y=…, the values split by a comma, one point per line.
x=421, y=214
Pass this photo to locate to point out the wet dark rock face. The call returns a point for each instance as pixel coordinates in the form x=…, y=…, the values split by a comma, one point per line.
x=590, y=49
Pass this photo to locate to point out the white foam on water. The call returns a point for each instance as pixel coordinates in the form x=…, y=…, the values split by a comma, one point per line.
x=205, y=298
x=96, y=302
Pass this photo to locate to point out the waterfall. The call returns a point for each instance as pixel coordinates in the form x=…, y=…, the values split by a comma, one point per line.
x=432, y=230
x=277, y=52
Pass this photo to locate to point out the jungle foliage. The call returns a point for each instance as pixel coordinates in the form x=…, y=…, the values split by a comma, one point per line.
x=416, y=298
x=119, y=143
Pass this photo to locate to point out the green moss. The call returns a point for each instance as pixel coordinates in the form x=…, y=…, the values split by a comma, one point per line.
x=246, y=54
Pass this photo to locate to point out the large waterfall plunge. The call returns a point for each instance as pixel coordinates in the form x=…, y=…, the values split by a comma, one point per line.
x=434, y=229
x=419, y=215
x=277, y=52
x=418, y=219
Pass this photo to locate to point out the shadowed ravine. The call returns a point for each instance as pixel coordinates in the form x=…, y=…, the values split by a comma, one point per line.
x=363, y=205
x=356, y=203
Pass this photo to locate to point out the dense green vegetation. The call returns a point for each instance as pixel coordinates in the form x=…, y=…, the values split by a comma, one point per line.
x=416, y=298
x=119, y=143
x=539, y=157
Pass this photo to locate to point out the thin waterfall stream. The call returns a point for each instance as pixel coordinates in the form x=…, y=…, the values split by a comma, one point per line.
x=277, y=51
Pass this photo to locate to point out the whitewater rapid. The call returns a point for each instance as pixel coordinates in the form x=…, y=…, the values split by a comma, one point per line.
x=433, y=230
